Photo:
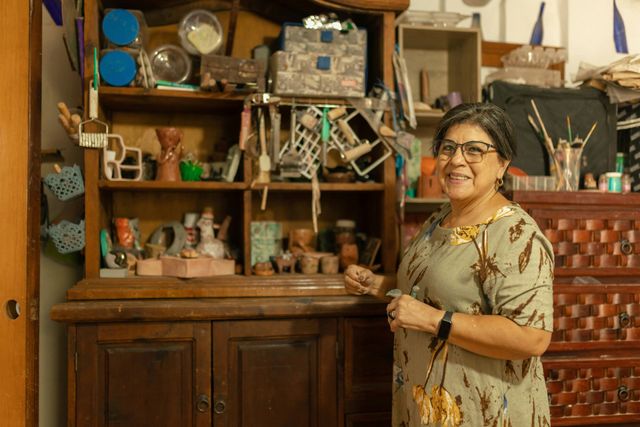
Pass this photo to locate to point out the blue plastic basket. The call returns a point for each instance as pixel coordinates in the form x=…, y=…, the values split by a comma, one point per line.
x=67, y=184
x=67, y=236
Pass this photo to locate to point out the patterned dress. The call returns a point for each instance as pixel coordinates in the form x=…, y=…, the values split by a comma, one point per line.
x=503, y=266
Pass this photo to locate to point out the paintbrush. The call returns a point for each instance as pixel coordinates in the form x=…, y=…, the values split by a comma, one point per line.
x=549, y=146
x=588, y=136
x=535, y=128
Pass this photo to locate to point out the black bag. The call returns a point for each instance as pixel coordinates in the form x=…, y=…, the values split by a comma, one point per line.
x=583, y=106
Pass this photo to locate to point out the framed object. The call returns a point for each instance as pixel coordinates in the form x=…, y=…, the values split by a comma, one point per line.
x=370, y=251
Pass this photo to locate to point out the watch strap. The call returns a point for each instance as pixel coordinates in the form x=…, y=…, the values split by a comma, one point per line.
x=444, y=328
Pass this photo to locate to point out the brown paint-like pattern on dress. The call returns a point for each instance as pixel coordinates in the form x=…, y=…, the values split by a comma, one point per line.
x=516, y=230
x=525, y=255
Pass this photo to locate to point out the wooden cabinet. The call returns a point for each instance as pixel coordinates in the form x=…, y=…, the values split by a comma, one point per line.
x=323, y=361
x=235, y=350
x=592, y=366
x=156, y=374
x=275, y=373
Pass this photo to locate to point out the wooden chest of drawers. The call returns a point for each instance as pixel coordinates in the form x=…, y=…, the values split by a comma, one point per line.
x=592, y=366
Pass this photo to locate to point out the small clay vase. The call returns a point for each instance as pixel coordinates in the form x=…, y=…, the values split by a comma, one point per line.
x=170, y=155
x=301, y=240
x=348, y=255
x=329, y=264
x=309, y=264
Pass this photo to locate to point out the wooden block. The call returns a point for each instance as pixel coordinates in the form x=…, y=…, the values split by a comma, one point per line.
x=196, y=267
x=149, y=267
x=231, y=70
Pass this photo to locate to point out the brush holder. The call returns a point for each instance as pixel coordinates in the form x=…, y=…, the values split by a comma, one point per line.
x=569, y=160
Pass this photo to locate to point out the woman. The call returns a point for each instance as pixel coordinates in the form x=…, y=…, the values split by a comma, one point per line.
x=474, y=311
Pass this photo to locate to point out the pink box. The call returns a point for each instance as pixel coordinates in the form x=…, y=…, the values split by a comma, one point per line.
x=196, y=267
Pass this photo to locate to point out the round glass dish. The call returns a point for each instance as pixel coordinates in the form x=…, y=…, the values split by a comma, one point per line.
x=200, y=32
x=171, y=63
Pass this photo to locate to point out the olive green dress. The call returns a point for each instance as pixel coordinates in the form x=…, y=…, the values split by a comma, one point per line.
x=504, y=267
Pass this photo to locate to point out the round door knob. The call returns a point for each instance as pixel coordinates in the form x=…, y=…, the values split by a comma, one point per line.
x=623, y=393
x=624, y=319
x=219, y=407
x=626, y=247
x=202, y=405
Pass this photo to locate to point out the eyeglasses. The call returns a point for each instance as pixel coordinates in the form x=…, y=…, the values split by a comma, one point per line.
x=472, y=151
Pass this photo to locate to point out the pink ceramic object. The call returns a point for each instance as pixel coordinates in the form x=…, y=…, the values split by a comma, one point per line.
x=169, y=159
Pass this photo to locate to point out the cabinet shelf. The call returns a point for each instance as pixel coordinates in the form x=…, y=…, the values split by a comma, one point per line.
x=325, y=186
x=171, y=186
x=232, y=186
x=235, y=286
x=137, y=99
x=167, y=100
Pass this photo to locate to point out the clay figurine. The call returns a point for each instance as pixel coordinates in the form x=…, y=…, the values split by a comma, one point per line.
x=286, y=263
x=190, y=219
x=169, y=159
x=209, y=245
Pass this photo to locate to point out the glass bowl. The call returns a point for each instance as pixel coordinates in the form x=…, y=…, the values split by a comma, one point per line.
x=200, y=32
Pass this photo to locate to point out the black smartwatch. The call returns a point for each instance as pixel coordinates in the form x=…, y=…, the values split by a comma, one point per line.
x=445, y=326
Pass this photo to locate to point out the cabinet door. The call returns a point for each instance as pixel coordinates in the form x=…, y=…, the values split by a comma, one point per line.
x=368, y=356
x=137, y=375
x=273, y=373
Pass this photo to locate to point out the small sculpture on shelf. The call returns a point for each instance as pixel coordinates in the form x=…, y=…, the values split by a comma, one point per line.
x=170, y=155
x=209, y=245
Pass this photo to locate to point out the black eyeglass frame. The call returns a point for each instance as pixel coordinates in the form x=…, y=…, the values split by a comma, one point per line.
x=437, y=144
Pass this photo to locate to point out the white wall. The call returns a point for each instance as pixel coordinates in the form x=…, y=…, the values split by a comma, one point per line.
x=59, y=83
x=585, y=28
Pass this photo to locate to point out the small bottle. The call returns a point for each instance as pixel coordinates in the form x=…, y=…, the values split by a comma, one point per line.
x=603, y=183
x=620, y=162
x=614, y=182
x=626, y=183
x=345, y=232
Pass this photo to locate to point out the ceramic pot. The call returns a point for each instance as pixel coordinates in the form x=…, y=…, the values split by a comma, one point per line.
x=309, y=264
x=329, y=264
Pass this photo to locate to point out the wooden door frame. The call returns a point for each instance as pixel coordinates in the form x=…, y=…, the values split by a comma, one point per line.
x=20, y=122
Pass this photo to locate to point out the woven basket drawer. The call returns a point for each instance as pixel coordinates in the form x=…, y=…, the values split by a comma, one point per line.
x=604, y=391
x=596, y=314
x=592, y=240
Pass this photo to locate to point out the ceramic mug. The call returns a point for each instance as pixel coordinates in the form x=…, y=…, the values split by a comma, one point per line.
x=329, y=264
x=309, y=264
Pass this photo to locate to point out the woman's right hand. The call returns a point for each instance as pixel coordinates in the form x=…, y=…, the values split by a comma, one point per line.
x=359, y=280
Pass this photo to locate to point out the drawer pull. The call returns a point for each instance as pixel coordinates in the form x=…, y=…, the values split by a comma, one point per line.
x=626, y=247
x=202, y=405
x=624, y=319
x=220, y=407
x=623, y=393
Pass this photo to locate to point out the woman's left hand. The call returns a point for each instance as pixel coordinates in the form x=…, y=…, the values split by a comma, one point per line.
x=407, y=312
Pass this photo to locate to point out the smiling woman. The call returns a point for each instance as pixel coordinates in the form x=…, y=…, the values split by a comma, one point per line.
x=473, y=309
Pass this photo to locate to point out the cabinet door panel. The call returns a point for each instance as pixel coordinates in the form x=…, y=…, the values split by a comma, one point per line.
x=381, y=419
x=368, y=353
x=144, y=375
x=275, y=373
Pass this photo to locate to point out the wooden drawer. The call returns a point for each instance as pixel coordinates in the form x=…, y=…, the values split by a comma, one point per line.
x=593, y=391
x=593, y=240
x=596, y=315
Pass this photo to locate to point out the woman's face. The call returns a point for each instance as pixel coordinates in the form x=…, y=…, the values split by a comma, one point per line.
x=464, y=181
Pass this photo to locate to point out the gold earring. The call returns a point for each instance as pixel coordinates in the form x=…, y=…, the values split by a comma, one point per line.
x=499, y=183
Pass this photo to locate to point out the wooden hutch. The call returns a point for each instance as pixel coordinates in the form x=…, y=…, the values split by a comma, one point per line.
x=288, y=349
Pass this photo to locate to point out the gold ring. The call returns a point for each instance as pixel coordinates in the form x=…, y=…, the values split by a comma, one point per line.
x=392, y=314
